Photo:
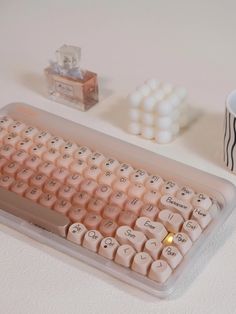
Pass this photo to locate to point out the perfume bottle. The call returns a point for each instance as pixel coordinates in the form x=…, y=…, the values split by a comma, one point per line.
x=67, y=83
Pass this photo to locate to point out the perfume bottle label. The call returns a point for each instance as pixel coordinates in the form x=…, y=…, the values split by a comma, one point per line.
x=64, y=89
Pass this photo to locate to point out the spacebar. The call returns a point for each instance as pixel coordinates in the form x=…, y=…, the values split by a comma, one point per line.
x=34, y=213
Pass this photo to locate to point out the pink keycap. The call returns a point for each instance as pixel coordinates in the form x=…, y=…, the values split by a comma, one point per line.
x=92, y=240
x=74, y=179
x=33, y=193
x=118, y=198
x=60, y=174
x=65, y=161
x=77, y=214
x=92, y=221
x=7, y=151
x=151, y=197
x=76, y=233
x=152, y=229
x=11, y=139
x=92, y=172
x=126, y=235
x=67, y=192
x=139, y=176
x=111, y=212
x=25, y=174
x=124, y=255
x=181, y=207
x=124, y=170
x=78, y=166
x=153, y=247
x=141, y=263
x=62, y=206
x=42, y=137
x=154, y=182
x=185, y=194
x=103, y=192
x=3, y=133
x=6, y=181
x=5, y=122
x=201, y=200
x=47, y=168
x=108, y=248
x=89, y=186
x=69, y=148
x=47, y=200
x=108, y=227
x=96, y=205
x=127, y=218
x=55, y=142
x=95, y=159
x=51, y=155
x=160, y=271
x=19, y=187
x=52, y=186
x=136, y=190
x=38, y=180
x=33, y=162
x=11, y=168
x=202, y=216
x=38, y=150
x=20, y=156
x=170, y=220
x=182, y=242
x=169, y=187
x=110, y=164
x=150, y=211
x=30, y=132
x=3, y=162
x=24, y=144
x=121, y=184
x=81, y=199
x=107, y=177
x=192, y=228
x=82, y=153
x=17, y=127
x=172, y=256
x=134, y=205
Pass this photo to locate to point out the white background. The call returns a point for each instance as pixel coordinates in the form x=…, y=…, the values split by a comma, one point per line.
x=189, y=43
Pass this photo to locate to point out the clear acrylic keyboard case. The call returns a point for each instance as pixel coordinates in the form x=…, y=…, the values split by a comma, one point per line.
x=221, y=192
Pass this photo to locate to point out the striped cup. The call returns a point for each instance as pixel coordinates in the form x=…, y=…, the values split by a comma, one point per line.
x=230, y=132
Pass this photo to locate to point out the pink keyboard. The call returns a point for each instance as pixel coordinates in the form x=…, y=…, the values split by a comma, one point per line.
x=136, y=215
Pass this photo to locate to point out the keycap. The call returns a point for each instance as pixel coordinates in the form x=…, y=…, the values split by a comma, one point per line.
x=95, y=159
x=24, y=144
x=74, y=179
x=47, y=168
x=5, y=122
x=33, y=193
x=42, y=137
x=108, y=227
x=127, y=218
x=160, y=271
x=136, y=190
x=202, y=216
x=17, y=127
x=172, y=221
x=133, y=205
x=64, y=161
x=51, y=155
x=152, y=229
x=185, y=194
x=66, y=191
x=33, y=162
x=82, y=153
x=81, y=199
x=92, y=220
x=182, y=242
x=11, y=168
x=38, y=149
x=108, y=247
x=192, y=228
x=47, y=200
x=77, y=214
x=172, y=256
x=19, y=187
x=62, y=206
x=124, y=170
x=20, y=156
x=7, y=151
x=35, y=213
x=60, y=174
x=151, y=197
x=76, y=233
x=55, y=142
x=96, y=205
x=124, y=255
x=110, y=164
x=92, y=172
x=121, y=184
x=126, y=235
x=89, y=186
x=11, y=139
x=51, y=186
x=154, y=182
x=179, y=206
x=25, y=174
x=141, y=263
x=111, y=212
x=169, y=187
x=103, y=192
x=78, y=166
x=118, y=198
x=38, y=179
x=6, y=181
x=153, y=247
x=68, y=148
x=92, y=240
x=202, y=200
x=150, y=211
x=139, y=176
x=107, y=177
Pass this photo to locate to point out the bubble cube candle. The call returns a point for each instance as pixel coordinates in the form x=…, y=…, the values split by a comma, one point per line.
x=158, y=111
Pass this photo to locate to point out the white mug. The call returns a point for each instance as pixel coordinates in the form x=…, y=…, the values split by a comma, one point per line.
x=230, y=132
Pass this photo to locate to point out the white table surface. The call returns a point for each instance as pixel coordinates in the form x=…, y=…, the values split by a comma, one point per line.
x=189, y=43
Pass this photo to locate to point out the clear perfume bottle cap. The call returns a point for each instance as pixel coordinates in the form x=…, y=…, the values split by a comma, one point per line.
x=68, y=57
